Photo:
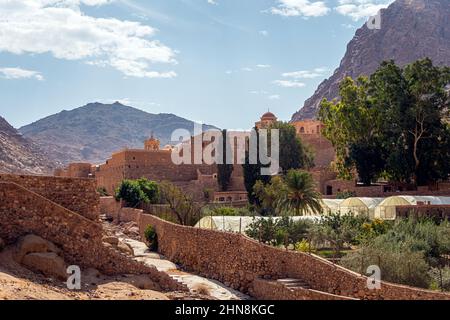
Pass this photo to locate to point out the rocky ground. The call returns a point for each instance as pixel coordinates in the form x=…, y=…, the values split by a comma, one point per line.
x=33, y=268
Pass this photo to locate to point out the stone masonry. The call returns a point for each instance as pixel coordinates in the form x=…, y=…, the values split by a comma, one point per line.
x=238, y=262
x=25, y=212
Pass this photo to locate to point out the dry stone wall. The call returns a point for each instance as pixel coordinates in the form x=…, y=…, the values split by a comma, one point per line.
x=238, y=262
x=78, y=195
x=25, y=212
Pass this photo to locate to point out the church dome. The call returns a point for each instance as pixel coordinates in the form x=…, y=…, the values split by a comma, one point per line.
x=268, y=116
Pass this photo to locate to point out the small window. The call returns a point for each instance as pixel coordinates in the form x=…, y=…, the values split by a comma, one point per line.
x=302, y=130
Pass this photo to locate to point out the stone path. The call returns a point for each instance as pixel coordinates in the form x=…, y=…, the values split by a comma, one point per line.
x=214, y=288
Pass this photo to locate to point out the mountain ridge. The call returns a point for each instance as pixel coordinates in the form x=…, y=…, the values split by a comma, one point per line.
x=410, y=30
x=20, y=155
x=91, y=133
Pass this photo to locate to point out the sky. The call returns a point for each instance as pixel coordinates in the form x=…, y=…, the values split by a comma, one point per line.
x=219, y=62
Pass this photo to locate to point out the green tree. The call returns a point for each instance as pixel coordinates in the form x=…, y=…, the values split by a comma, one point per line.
x=131, y=192
x=187, y=211
x=150, y=189
x=224, y=170
x=393, y=123
x=301, y=194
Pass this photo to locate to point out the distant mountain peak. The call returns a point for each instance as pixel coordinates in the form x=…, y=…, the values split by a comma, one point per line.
x=91, y=133
x=410, y=30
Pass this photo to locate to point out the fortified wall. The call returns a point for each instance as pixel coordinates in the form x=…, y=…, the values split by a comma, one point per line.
x=78, y=195
x=238, y=262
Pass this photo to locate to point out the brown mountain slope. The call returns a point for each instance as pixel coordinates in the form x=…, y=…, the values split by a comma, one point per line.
x=19, y=155
x=93, y=132
x=410, y=30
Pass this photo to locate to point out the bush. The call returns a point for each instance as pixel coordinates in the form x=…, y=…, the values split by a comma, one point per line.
x=284, y=231
x=102, y=191
x=135, y=192
x=398, y=263
x=151, y=237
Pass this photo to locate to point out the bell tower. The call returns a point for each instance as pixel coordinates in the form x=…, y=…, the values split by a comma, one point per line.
x=151, y=144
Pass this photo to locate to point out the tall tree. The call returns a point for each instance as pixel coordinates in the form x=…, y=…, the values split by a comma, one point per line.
x=224, y=170
x=392, y=123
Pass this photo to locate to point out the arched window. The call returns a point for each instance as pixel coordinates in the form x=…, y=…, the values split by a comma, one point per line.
x=302, y=130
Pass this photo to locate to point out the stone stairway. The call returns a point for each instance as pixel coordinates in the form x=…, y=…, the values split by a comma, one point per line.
x=294, y=284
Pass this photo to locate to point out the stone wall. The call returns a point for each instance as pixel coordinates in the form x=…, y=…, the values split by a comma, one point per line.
x=25, y=212
x=272, y=290
x=110, y=207
x=78, y=195
x=238, y=261
x=337, y=186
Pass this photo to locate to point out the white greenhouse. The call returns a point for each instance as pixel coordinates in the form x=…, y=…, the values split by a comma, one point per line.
x=359, y=206
x=386, y=210
x=238, y=224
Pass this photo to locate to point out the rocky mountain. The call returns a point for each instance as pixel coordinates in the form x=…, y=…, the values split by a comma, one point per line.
x=93, y=132
x=410, y=30
x=20, y=155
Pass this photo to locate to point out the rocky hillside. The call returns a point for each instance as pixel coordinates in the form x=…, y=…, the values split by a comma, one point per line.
x=20, y=155
x=93, y=132
x=410, y=30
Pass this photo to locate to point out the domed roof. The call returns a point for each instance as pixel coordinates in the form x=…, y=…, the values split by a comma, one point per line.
x=268, y=116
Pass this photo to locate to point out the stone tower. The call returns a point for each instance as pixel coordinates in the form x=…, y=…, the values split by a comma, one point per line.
x=151, y=144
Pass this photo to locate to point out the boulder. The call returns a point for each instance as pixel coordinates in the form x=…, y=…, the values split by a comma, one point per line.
x=48, y=263
x=34, y=244
x=111, y=240
x=125, y=248
x=143, y=282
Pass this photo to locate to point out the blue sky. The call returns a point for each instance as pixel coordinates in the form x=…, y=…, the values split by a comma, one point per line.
x=221, y=62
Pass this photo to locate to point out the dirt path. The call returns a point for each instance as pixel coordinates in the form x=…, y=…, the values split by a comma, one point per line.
x=195, y=283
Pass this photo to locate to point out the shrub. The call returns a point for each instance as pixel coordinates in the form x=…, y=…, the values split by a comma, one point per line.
x=135, y=192
x=151, y=237
x=303, y=246
x=102, y=191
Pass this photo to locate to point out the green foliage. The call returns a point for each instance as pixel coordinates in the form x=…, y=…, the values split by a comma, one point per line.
x=345, y=194
x=182, y=204
x=102, y=191
x=339, y=231
x=135, y=192
x=224, y=170
x=130, y=192
x=227, y=211
x=284, y=231
x=407, y=252
x=303, y=246
x=392, y=123
x=301, y=194
x=150, y=189
x=440, y=278
x=151, y=237
x=295, y=194
x=293, y=155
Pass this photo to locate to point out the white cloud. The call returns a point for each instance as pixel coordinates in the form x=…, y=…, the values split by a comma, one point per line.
x=264, y=33
x=306, y=74
x=361, y=9
x=59, y=27
x=263, y=66
x=303, y=8
x=289, y=83
x=19, y=73
x=247, y=69
x=212, y=2
x=274, y=97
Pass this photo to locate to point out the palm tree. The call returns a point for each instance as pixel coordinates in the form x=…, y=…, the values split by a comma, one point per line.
x=301, y=194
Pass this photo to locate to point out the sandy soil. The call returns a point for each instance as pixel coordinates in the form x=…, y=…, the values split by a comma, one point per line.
x=18, y=283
